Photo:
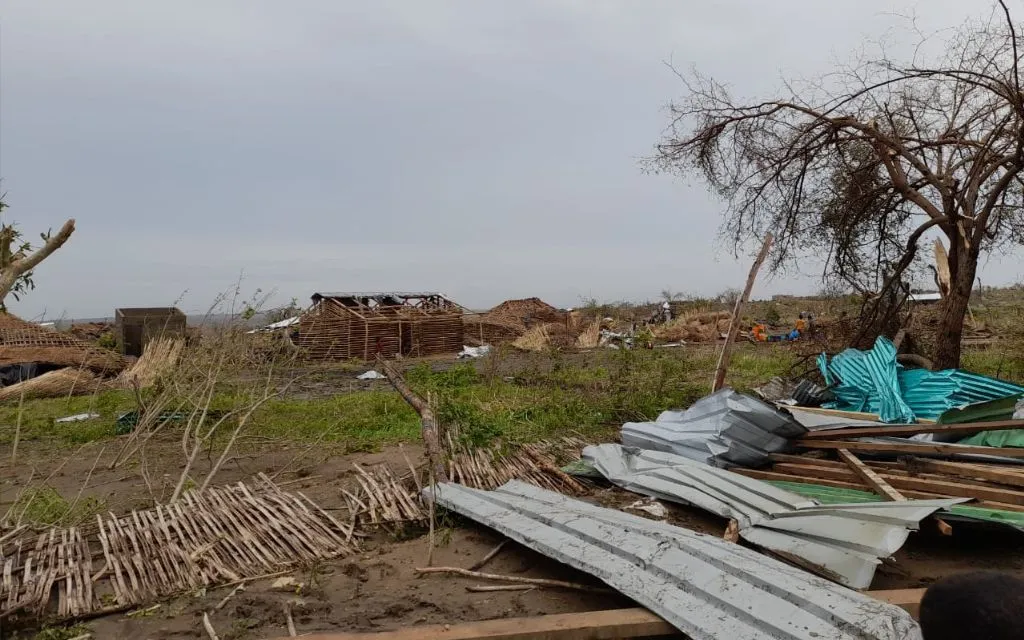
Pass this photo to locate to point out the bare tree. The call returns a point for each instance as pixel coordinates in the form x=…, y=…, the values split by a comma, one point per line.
x=858, y=166
x=18, y=259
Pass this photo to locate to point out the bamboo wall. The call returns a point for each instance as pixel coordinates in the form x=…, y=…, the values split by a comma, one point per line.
x=331, y=331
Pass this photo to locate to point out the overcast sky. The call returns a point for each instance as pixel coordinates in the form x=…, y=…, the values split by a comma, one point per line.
x=485, y=148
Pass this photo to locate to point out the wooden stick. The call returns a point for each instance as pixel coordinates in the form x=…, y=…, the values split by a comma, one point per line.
x=900, y=430
x=480, y=563
x=17, y=429
x=873, y=480
x=479, y=588
x=734, y=323
x=288, y=619
x=499, y=578
x=222, y=603
x=209, y=627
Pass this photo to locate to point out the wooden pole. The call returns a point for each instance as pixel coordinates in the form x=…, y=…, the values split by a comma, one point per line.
x=428, y=423
x=734, y=323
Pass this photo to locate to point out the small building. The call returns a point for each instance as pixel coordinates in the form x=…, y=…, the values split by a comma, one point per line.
x=134, y=327
x=345, y=326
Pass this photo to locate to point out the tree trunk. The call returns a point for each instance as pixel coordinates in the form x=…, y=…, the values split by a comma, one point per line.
x=954, y=308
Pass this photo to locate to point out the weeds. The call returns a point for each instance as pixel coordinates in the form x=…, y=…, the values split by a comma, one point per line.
x=46, y=507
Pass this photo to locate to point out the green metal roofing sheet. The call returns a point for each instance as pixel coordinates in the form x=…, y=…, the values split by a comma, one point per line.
x=874, y=382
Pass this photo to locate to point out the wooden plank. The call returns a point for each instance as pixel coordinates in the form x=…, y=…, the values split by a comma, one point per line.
x=907, y=599
x=942, y=487
x=734, y=323
x=592, y=625
x=852, y=415
x=876, y=482
x=917, y=448
x=971, y=471
x=924, y=468
x=900, y=430
x=854, y=483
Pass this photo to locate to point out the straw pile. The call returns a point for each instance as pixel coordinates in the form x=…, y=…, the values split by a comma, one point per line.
x=695, y=327
x=590, y=337
x=53, y=384
x=159, y=358
x=535, y=339
x=511, y=319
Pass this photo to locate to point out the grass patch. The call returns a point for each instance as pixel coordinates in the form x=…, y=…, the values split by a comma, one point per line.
x=44, y=506
x=555, y=394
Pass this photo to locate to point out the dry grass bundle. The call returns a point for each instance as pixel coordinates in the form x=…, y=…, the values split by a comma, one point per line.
x=695, y=327
x=535, y=339
x=159, y=358
x=590, y=337
x=53, y=384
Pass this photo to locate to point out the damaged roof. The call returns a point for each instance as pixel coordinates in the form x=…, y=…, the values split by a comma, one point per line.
x=706, y=587
x=843, y=541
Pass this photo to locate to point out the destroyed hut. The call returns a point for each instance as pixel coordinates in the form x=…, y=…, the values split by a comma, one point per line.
x=28, y=350
x=344, y=326
x=510, y=320
x=134, y=327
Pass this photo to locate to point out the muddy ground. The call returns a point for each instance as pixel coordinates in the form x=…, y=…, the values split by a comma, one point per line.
x=378, y=589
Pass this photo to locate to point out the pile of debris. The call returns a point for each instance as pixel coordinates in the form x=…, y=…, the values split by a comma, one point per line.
x=707, y=326
x=36, y=362
x=512, y=319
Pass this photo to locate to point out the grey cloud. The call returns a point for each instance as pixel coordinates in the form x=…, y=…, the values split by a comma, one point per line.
x=485, y=148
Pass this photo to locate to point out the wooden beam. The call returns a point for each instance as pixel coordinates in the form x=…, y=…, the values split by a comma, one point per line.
x=876, y=482
x=854, y=483
x=591, y=625
x=941, y=487
x=852, y=415
x=916, y=448
x=734, y=323
x=970, y=471
x=899, y=430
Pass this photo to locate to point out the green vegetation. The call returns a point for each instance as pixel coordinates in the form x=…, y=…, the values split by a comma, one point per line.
x=44, y=506
x=550, y=395
x=61, y=633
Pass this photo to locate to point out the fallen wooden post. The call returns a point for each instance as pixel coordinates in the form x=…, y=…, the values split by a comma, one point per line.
x=873, y=480
x=428, y=423
x=734, y=323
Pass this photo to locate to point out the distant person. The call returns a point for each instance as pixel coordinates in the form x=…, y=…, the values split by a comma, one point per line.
x=980, y=605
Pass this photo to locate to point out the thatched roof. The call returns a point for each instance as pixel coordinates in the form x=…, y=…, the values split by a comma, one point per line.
x=22, y=341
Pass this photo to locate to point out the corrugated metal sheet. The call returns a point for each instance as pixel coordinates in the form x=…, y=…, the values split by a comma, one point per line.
x=708, y=588
x=874, y=382
x=723, y=428
x=846, y=541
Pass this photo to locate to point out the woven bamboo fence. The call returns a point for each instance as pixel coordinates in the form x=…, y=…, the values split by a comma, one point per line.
x=221, y=536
